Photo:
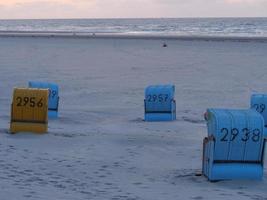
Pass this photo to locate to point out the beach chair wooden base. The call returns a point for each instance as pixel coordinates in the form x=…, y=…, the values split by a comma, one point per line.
x=16, y=127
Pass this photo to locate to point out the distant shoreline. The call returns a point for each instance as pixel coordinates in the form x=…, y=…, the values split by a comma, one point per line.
x=84, y=35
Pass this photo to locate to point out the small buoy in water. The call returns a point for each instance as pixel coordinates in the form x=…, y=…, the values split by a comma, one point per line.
x=198, y=174
x=164, y=45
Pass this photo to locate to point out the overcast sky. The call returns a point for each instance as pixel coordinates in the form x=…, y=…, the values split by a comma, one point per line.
x=10, y=9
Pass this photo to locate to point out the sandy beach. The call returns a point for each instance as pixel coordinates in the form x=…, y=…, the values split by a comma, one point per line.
x=100, y=147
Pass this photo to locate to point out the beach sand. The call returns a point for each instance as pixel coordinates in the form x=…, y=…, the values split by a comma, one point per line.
x=100, y=148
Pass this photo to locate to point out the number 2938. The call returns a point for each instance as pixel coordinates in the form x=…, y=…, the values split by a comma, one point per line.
x=246, y=134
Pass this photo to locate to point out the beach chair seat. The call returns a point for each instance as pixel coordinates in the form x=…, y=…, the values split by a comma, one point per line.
x=53, y=103
x=234, y=148
x=29, y=110
x=159, y=103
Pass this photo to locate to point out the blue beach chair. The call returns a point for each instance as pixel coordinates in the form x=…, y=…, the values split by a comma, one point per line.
x=259, y=103
x=159, y=103
x=234, y=148
x=53, y=96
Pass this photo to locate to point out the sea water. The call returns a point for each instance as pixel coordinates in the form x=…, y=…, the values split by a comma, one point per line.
x=248, y=27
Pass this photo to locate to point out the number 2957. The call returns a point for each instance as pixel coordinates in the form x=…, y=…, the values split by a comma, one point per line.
x=158, y=97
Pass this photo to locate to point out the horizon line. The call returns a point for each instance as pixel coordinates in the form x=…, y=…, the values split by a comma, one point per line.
x=126, y=18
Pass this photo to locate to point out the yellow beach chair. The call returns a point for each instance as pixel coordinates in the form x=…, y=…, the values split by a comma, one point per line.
x=29, y=110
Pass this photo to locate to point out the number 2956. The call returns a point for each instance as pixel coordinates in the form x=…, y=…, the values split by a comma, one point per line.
x=29, y=101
